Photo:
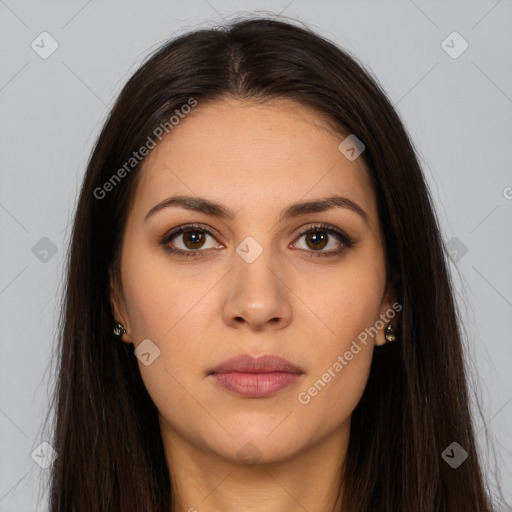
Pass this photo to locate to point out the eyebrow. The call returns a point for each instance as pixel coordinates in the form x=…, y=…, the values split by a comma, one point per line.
x=208, y=207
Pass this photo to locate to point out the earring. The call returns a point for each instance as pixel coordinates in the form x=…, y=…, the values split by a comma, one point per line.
x=118, y=329
x=389, y=333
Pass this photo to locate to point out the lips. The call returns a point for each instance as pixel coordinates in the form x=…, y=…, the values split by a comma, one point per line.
x=256, y=377
x=264, y=364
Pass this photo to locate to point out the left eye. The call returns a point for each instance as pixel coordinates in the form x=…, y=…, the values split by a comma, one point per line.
x=321, y=237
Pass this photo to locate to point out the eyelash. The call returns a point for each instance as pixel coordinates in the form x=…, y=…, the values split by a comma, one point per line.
x=339, y=235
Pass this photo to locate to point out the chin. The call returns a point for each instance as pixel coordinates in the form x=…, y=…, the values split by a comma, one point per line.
x=256, y=446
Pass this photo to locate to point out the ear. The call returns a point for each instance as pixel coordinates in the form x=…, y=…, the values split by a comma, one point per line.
x=118, y=307
x=389, y=311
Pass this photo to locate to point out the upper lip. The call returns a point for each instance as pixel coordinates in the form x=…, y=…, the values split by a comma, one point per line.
x=252, y=364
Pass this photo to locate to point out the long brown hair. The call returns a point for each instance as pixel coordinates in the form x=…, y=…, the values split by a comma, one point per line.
x=416, y=402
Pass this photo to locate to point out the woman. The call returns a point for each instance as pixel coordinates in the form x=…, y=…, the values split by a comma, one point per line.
x=258, y=313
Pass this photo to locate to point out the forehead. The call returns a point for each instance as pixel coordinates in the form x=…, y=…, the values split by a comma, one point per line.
x=240, y=152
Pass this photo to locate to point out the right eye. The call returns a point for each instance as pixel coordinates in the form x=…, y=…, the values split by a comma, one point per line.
x=193, y=237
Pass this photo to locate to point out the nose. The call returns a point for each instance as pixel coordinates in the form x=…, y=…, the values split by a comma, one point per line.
x=258, y=296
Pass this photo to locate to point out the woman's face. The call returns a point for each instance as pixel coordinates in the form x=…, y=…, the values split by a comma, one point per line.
x=252, y=283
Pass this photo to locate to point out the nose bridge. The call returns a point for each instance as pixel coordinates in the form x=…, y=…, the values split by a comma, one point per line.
x=256, y=264
x=257, y=293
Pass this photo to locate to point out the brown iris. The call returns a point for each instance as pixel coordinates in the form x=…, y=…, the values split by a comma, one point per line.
x=318, y=239
x=196, y=238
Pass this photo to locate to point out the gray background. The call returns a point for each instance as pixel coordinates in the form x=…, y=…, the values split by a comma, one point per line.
x=458, y=112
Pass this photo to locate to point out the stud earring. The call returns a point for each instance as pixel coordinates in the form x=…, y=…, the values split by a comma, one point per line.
x=389, y=333
x=118, y=329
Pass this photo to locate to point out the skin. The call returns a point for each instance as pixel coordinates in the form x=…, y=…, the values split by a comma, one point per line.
x=255, y=160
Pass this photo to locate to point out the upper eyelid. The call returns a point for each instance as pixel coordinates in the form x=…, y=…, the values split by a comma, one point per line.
x=180, y=229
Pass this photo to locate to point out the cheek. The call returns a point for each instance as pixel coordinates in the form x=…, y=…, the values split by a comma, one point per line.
x=168, y=305
x=160, y=307
x=348, y=303
x=333, y=394
x=158, y=294
x=343, y=347
x=341, y=358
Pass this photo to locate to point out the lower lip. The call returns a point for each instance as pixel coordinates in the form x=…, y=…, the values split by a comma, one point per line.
x=256, y=385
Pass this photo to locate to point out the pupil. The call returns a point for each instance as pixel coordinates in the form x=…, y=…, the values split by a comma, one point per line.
x=317, y=239
x=194, y=237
